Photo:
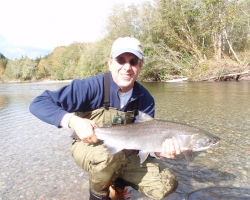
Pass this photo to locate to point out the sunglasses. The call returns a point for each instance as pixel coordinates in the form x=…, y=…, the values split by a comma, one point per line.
x=123, y=61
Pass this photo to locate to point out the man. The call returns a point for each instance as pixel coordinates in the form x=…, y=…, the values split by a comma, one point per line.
x=110, y=99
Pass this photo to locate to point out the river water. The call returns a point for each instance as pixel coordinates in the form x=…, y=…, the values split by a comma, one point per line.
x=35, y=161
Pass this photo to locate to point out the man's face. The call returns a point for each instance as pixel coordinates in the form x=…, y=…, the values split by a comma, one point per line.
x=125, y=69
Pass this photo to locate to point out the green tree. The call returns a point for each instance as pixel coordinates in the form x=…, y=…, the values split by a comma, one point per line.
x=13, y=70
x=94, y=59
x=42, y=69
x=70, y=59
x=20, y=69
x=3, y=64
x=28, y=68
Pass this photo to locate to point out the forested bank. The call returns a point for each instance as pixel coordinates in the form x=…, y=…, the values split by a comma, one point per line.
x=197, y=39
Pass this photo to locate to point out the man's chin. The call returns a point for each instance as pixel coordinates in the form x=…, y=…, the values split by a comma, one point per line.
x=126, y=85
x=126, y=82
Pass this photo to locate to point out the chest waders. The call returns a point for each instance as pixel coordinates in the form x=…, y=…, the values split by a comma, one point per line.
x=152, y=178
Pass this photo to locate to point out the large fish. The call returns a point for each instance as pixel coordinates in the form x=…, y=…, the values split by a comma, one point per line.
x=147, y=135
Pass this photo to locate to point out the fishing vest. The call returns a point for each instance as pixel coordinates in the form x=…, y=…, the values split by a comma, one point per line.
x=107, y=116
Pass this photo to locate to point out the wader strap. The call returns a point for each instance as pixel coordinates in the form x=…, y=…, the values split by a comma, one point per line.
x=106, y=100
x=135, y=107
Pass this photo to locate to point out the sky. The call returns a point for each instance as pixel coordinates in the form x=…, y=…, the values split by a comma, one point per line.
x=33, y=28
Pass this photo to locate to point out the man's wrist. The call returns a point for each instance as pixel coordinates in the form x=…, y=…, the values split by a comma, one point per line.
x=65, y=122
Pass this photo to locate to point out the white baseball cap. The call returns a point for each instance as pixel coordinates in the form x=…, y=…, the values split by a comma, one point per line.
x=126, y=44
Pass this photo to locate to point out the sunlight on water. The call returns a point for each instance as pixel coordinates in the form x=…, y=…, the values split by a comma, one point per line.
x=36, y=162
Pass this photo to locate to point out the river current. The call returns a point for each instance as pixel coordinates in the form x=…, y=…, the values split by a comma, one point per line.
x=35, y=160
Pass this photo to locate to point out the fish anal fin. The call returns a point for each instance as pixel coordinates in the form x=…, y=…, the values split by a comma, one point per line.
x=143, y=156
x=113, y=148
x=188, y=155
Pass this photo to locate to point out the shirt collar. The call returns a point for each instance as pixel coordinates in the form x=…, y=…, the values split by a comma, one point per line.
x=114, y=99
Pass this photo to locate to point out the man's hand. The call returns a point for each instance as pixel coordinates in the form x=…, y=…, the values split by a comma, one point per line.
x=84, y=128
x=170, y=149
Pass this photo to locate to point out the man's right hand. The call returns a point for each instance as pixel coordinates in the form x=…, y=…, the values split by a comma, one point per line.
x=84, y=128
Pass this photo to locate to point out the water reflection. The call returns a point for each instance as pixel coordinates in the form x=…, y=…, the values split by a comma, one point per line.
x=36, y=163
x=221, y=108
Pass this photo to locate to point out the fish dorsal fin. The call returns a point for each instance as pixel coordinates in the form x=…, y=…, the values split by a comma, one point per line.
x=143, y=156
x=142, y=117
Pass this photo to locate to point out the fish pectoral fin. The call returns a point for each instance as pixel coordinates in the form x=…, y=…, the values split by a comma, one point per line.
x=143, y=156
x=113, y=148
x=188, y=155
x=184, y=141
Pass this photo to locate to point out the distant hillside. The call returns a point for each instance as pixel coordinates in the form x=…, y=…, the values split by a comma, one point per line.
x=2, y=56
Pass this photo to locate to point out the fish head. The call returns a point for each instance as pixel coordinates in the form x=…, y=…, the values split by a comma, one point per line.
x=203, y=142
x=195, y=142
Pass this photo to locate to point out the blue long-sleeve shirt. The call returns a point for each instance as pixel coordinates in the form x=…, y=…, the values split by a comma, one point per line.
x=86, y=95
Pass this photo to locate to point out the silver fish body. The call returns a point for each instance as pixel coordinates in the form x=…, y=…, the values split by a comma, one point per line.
x=148, y=136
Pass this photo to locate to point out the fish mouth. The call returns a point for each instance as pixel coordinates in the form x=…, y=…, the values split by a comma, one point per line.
x=210, y=143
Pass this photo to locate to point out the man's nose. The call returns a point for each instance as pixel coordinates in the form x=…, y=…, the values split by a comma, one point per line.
x=127, y=66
